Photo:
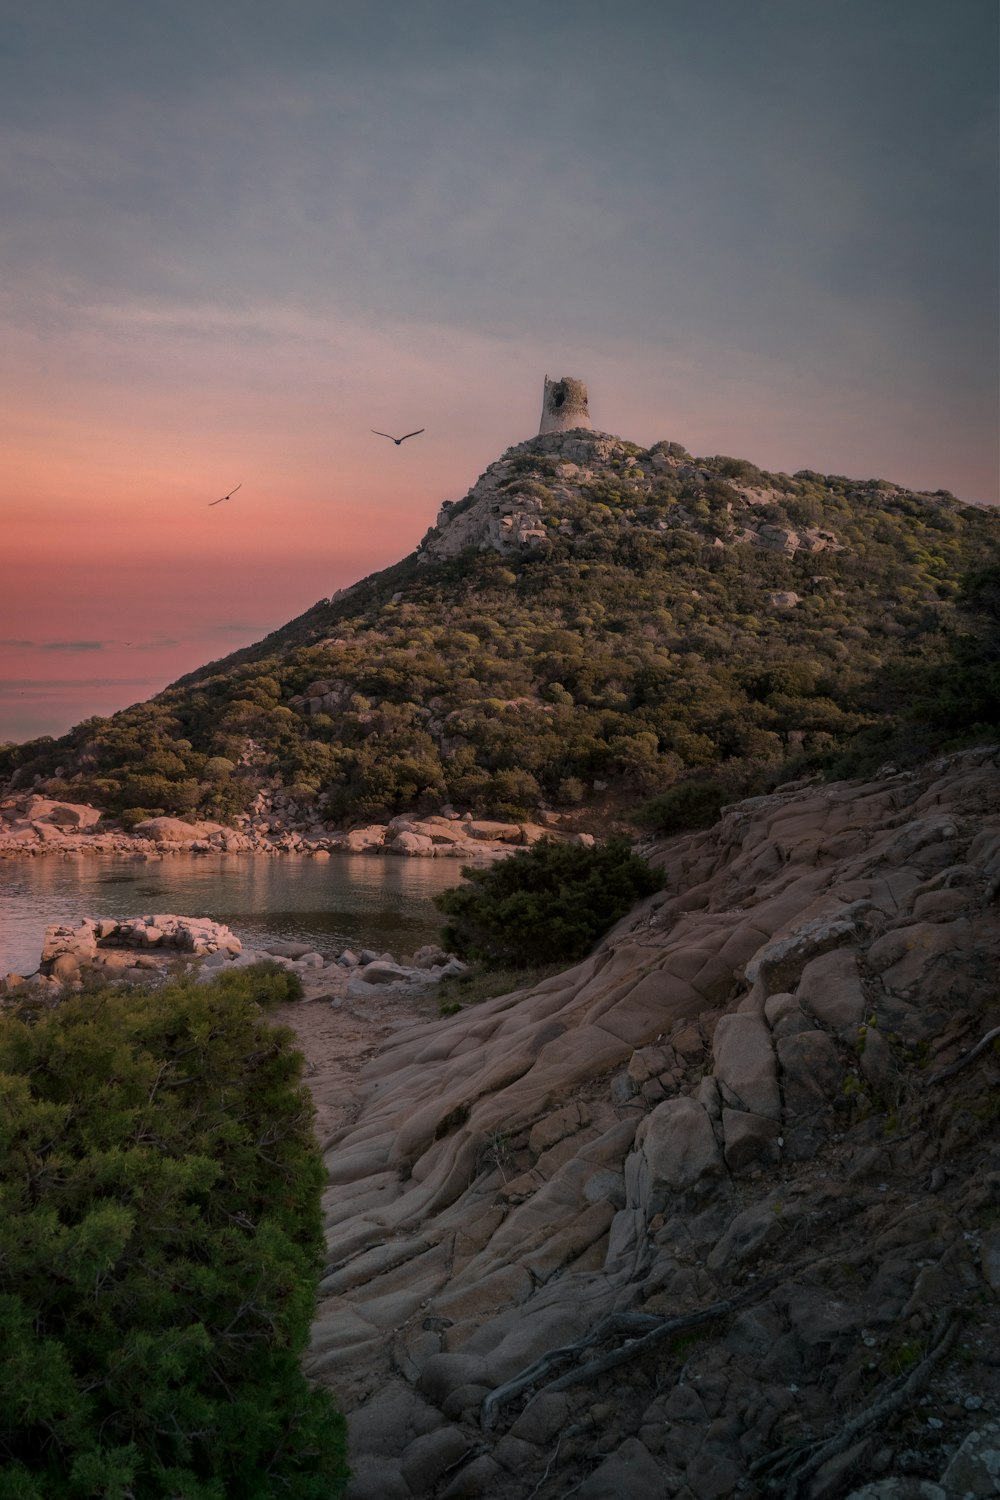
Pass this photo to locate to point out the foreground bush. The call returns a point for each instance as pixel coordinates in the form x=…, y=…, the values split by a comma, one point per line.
x=159, y=1241
x=550, y=903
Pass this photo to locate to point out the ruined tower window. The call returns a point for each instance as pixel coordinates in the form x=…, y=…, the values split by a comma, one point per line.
x=559, y=398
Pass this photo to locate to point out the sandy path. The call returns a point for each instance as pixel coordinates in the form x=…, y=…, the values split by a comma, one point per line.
x=338, y=1036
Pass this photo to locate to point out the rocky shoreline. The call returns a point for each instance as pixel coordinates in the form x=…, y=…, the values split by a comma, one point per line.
x=144, y=949
x=35, y=825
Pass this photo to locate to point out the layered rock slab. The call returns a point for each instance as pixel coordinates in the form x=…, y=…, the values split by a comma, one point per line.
x=713, y=1099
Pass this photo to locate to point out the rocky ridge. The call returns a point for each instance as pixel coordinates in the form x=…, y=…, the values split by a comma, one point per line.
x=504, y=509
x=716, y=1212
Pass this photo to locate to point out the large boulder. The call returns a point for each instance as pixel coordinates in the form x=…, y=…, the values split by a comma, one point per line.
x=69, y=815
x=745, y=1065
x=78, y=939
x=176, y=830
x=675, y=1148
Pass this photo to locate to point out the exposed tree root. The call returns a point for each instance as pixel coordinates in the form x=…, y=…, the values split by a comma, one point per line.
x=650, y=1330
x=786, y=1471
x=967, y=1057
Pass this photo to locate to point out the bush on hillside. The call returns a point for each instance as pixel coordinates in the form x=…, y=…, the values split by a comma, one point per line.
x=160, y=1236
x=686, y=806
x=545, y=904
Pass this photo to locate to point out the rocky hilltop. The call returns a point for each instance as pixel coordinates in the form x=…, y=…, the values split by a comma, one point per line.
x=532, y=495
x=714, y=1213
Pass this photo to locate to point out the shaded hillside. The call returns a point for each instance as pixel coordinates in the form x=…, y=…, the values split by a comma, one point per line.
x=592, y=621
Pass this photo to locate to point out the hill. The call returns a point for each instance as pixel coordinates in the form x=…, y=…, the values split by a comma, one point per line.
x=591, y=624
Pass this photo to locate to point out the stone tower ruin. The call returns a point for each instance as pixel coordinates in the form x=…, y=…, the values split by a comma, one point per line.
x=564, y=405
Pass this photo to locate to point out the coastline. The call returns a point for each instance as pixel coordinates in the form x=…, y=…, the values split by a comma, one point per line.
x=32, y=825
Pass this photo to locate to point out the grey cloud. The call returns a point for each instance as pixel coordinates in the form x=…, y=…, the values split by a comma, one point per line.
x=16, y=686
x=72, y=646
x=56, y=645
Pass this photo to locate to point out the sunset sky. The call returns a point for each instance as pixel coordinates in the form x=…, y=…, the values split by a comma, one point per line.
x=235, y=235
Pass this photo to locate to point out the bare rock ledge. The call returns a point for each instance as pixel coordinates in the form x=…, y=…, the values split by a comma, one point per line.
x=714, y=1212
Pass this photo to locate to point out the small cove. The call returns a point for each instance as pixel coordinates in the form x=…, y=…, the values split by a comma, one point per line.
x=359, y=900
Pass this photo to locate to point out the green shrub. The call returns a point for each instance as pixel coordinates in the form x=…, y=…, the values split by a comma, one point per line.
x=546, y=904
x=160, y=1236
x=689, y=804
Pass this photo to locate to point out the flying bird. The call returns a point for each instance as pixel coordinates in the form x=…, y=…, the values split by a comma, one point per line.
x=226, y=497
x=396, y=440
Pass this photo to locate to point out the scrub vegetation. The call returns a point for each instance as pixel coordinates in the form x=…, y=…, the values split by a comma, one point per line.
x=160, y=1239
x=546, y=904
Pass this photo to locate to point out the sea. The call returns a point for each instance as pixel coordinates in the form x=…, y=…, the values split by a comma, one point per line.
x=385, y=903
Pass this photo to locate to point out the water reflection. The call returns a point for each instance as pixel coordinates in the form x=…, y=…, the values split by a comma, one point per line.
x=361, y=900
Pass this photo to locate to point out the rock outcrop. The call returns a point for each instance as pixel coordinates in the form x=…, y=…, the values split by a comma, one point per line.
x=713, y=1213
x=129, y=947
x=139, y=950
x=529, y=495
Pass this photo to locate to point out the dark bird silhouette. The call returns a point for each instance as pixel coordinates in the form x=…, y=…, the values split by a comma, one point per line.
x=226, y=497
x=395, y=440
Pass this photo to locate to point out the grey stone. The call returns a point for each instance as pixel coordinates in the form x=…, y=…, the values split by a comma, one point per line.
x=542, y=1418
x=749, y=1139
x=442, y=1373
x=975, y=1469
x=477, y=1478
x=65, y=968
x=675, y=1148
x=711, y=1477
x=744, y=1065
x=287, y=950
x=386, y=1423
x=376, y=1479
x=748, y=1234
x=623, y=1088
x=778, y=965
x=779, y=1005
x=428, y=1457
x=812, y=1068
x=990, y=1258
x=877, y=1063
x=631, y=1471
x=605, y=1184
x=831, y=991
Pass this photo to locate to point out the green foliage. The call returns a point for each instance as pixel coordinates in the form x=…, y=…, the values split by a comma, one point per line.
x=159, y=1242
x=689, y=804
x=545, y=904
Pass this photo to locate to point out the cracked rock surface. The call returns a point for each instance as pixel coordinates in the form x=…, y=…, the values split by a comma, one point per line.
x=717, y=1211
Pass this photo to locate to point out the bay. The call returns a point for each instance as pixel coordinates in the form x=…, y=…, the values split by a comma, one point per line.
x=354, y=900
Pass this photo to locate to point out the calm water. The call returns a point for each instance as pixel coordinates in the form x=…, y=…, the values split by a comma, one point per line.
x=360, y=900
